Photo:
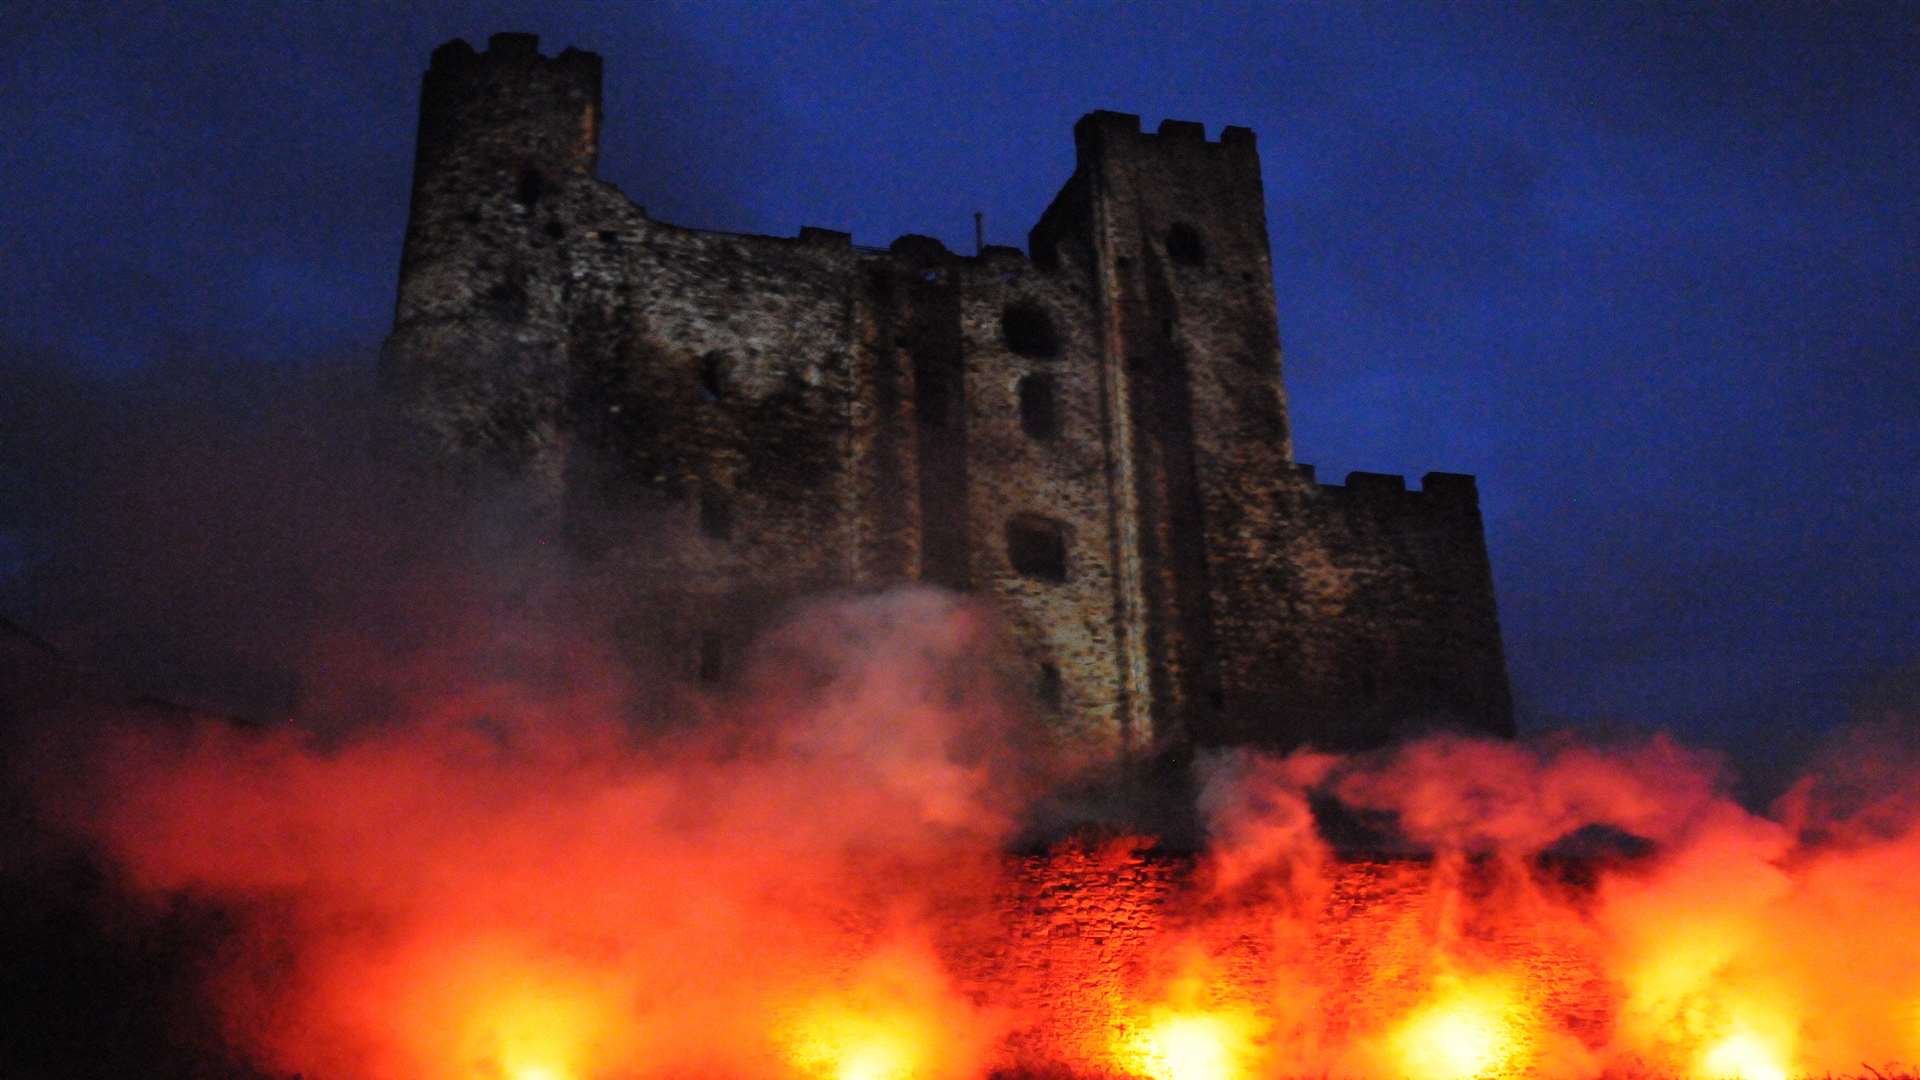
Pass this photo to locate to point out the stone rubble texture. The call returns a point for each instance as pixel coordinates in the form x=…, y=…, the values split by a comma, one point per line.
x=1092, y=435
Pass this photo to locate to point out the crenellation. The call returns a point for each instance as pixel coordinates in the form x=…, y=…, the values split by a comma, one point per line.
x=455, y=53
x=1093, y=435
x=828, y=238
x=1454, y=487
x=1390, y=489
x=1372, y=484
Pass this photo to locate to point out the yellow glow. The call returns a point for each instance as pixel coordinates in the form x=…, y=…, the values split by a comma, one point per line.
x=834, y=1042
x=1191, y=1045
x=1465, y=1033
x=534, y=1036
x=1742, y=1056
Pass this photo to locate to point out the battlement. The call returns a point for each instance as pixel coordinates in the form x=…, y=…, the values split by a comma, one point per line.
x=1093, y=437
x=1105, y=128
x=457, y=56
x=1448, y=487
x=509, y=104
x=815, y=236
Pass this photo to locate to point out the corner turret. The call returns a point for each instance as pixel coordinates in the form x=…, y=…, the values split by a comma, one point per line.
x=503, y=172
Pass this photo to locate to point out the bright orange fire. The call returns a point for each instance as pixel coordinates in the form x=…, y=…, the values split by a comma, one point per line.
x=896, y=1021
x=813, y=884
x=1466, y=1029
x=1743, y=1055
x=1183, y=1038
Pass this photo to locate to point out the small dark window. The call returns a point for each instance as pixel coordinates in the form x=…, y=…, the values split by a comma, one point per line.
x=533, y=184
x=1029, y=331
x=507, y=299
x=1046, y=687
x=716, y=513
x=1184, y=245
x=1037, y=547
x=715, y=372
x=1037, y=414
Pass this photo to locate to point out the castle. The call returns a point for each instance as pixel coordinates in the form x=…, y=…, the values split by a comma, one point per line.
x=1092, y=435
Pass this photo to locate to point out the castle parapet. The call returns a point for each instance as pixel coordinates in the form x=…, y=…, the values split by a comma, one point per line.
x=814, y=236
x=1103, y=127
x=457, y=56
x=1436, y=488
x=510, y=102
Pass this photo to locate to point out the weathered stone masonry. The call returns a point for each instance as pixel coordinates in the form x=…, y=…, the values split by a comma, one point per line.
x=1092, y=434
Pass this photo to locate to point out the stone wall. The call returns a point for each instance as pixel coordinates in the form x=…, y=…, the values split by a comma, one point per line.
x=1090, y=937
x=1095, y=437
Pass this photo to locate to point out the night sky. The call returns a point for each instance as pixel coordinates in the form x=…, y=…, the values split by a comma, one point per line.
x=1649, y=272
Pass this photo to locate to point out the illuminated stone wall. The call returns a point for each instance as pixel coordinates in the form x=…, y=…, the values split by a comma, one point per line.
x=1092, y=937
x=1093, y=435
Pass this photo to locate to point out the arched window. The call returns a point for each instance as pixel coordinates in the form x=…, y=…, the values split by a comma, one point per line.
x=716, y=372
x=1046, y=686
x=1184, y=245
x=532, y=185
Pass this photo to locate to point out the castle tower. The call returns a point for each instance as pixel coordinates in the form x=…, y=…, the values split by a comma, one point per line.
x=1173, y=229
x=1255, y=604
x=507, y=139
x=1092, y=437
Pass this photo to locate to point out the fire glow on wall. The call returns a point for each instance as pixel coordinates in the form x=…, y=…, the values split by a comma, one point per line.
x=813, y=881
x=853, y=843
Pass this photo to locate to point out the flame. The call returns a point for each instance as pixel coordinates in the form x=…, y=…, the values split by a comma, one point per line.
x=893, y=1018
x=508, y=1013
x=1182, y=1037
x=539, y=1039
x=835, y=1040
x=1468, y=1029
x=798, y=894
x=1742, y=1055
x=1190, y=1046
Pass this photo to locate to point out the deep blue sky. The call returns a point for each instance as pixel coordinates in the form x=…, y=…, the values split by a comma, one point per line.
x=1649, y=271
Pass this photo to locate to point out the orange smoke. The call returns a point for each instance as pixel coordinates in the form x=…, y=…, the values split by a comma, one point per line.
x=509, y=882
x=503, y=881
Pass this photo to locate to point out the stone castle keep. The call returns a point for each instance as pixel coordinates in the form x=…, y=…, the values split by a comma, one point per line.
x=1093, y=434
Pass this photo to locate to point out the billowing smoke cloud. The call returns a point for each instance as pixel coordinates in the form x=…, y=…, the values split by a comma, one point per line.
x=1575, y=911
x=507, y=880
x=193, y=529
x=464, y=831
x=805, y=876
